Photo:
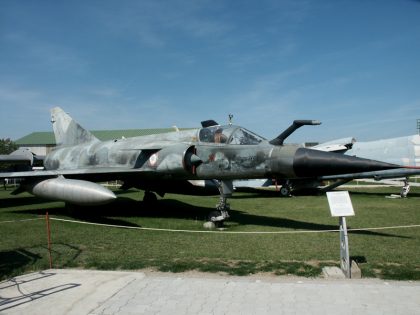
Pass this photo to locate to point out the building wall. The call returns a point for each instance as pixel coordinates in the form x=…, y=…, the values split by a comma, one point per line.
x=40, y=150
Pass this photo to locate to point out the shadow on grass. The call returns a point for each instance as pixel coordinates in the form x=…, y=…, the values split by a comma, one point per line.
x=115, y=212
x=247, y=219
x=13, y=201
x=16, y=260
x=254, y=195
x=119, y=212
x=21, y=260
x=251, y=193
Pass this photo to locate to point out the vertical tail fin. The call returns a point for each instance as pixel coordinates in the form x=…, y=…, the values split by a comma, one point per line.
x=67, y=131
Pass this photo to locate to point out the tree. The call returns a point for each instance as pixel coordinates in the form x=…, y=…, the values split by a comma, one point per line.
x=7, y=146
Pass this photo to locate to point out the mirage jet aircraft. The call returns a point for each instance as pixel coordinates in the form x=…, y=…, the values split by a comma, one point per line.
x=166, y=162
x=403, y=151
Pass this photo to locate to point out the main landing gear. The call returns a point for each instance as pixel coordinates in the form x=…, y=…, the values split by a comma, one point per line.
x=405, y=189
x=286, y=190
x=221, y=213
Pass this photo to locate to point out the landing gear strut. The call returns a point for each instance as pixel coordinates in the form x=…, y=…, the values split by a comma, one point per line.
x=405, y=189
x=222, y=208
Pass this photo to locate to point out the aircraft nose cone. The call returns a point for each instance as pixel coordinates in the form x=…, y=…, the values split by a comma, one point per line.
x=313, y=163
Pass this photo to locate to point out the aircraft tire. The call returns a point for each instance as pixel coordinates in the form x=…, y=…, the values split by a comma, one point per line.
x=211, y=218
x=285, y=191
x=212, y=215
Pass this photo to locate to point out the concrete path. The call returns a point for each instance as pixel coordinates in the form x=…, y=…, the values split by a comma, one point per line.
x=112, y=292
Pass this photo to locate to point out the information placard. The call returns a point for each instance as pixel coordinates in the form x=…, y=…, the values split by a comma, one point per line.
x=340, y=203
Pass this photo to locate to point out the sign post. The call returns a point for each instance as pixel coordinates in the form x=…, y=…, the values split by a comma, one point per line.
x=47, y=218
x=344, y=248
x=341, y=206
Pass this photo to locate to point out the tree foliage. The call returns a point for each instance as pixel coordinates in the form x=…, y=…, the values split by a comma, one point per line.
x=7, y=146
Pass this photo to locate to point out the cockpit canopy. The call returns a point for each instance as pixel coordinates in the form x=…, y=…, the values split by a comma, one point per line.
x=229, y=134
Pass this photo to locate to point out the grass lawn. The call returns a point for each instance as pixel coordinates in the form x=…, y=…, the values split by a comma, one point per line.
x=389, y=254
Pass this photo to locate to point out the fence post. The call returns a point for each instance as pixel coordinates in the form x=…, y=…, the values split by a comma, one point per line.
x=47, y=218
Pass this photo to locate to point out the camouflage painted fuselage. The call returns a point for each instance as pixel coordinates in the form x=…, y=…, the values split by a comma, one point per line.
x=171, y=162
x=215, y=152
x=169, y=155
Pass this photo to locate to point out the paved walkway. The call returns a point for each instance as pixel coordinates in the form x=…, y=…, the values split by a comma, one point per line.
x=112, y=292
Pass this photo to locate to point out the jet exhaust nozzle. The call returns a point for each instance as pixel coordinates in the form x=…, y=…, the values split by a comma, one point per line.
x=314, y=163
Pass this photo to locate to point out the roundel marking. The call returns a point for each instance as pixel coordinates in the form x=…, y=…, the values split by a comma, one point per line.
x=153, y=159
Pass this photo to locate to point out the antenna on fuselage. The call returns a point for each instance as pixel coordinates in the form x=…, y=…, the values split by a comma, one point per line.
x=230, y=119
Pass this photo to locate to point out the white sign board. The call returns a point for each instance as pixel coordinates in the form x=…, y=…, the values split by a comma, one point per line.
x=340, y=203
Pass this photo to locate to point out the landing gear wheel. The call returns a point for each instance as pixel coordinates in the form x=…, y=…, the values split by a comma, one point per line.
x=221, y=214
x=285, y=191
x=217, y=218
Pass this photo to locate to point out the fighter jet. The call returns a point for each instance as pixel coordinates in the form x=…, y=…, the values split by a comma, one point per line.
x=21, y=159
x=402, y=151
x=167, y=162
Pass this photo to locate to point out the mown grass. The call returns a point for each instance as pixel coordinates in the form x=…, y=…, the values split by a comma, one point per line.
x=389, y=254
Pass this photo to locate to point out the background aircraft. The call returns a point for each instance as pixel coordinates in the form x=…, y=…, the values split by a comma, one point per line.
x=162, y=163
x=21, y=159
x=403, y=151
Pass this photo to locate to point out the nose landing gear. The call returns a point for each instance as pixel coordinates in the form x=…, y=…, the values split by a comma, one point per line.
x=218, y=216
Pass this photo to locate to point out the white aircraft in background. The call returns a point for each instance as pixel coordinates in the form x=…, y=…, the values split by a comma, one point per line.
x=403, y=151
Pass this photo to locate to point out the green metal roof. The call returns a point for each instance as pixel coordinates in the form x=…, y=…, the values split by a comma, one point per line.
x=37, y=138
x=47, y=138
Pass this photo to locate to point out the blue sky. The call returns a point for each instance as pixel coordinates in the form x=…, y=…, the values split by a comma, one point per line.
x=354, y=65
